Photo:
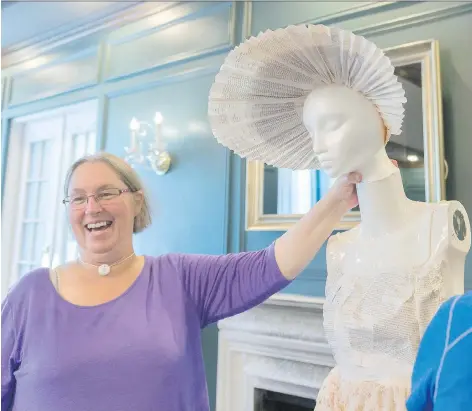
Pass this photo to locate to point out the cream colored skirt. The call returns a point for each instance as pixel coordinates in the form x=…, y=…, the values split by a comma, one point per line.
x=337, y=394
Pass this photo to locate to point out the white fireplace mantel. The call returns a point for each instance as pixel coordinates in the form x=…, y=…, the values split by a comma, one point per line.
x=278, y=346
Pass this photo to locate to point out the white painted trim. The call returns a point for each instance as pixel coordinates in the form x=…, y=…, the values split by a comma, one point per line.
x=297, y=300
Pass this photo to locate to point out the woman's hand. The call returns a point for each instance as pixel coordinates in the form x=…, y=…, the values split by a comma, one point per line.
x=344, y=192
x=344, y=189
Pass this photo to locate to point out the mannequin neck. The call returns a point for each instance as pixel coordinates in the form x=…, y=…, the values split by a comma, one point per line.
x=383, y=204
x=378, y=168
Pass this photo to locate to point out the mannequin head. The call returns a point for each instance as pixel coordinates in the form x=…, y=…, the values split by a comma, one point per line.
x=346, y=128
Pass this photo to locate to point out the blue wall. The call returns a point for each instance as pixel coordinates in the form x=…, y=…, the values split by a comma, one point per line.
x=166, y=61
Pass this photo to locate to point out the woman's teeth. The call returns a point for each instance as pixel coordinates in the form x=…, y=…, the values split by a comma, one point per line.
x=99, y=225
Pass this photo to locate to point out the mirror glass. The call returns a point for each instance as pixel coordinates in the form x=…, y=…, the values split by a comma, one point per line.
x=295, y=192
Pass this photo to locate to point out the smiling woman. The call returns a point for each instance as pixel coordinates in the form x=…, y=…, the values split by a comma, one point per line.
x=101, y=221
x=98, y=219
x=123, y=328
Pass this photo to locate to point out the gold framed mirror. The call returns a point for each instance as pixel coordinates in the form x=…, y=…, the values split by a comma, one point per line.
x=277, y=198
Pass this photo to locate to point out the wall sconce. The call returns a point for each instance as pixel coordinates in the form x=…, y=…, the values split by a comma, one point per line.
x=141, y=149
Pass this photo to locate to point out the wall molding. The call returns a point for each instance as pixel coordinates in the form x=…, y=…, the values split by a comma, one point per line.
x=402, y=22
x=115, y=89
x=172, y=61
x=228, y=188
x=6, y=91
x=235, y=239
x=54, y=101
x=357, y=11
x=73, y=59
x=237, y=232
x=102, y=121
x=68, y=30
x=200, y=12
x=33, y=48
x=408, y=21
x=197, y=13
x=189, y=65
x=208, y=65
x=68, y=58
x=246, y=24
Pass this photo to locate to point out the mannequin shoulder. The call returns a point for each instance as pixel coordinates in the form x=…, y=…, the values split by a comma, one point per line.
x=451, y=224
x=337, y=242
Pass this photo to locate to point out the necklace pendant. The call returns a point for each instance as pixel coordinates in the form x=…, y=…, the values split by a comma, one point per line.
x=104, y=269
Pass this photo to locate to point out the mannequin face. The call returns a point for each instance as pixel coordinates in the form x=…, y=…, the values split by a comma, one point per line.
x=346, y=129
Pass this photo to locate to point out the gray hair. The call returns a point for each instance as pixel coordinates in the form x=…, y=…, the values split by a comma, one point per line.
x=126, y=174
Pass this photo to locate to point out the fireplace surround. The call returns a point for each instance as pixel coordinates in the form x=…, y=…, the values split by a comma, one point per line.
x=278, y=347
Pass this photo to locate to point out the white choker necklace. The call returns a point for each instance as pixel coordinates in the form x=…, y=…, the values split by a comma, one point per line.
x=104, y=269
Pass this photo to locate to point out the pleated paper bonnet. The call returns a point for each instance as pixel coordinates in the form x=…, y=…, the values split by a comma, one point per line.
x=255, y=105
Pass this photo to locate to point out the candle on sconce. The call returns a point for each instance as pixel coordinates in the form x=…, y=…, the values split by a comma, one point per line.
x=158, y=121
x=134, y=127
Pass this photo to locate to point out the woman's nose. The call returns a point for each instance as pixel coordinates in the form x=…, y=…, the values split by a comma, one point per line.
x=92, y=205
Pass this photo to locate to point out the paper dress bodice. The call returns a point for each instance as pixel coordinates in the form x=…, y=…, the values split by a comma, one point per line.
x=374, y=320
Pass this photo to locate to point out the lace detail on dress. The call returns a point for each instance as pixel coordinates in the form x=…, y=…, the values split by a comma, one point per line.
x=373, y=323
x=337, y=394
x=429, y=294
x=371, y=319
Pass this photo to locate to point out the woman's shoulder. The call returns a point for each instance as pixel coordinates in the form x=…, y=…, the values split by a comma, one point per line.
x=177, y=266
x=168, y=268
x=177, y=262
x=168, y=260
x=33, y=284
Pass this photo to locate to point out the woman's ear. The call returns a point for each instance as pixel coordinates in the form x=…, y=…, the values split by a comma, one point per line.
x=138, y=202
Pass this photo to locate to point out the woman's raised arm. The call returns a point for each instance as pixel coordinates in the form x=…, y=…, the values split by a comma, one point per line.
x=225, y=285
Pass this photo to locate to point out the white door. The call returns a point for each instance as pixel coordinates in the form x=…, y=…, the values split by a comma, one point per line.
x=35, y=230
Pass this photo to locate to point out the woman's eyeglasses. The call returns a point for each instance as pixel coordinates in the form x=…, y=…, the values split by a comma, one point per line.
x=101, y=197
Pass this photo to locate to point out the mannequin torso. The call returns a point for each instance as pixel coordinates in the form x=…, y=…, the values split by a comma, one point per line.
x=398, y=231
x=387, y=276
x=385, y=289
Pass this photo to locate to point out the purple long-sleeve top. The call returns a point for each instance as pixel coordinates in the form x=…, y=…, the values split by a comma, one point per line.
x=140, y=351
